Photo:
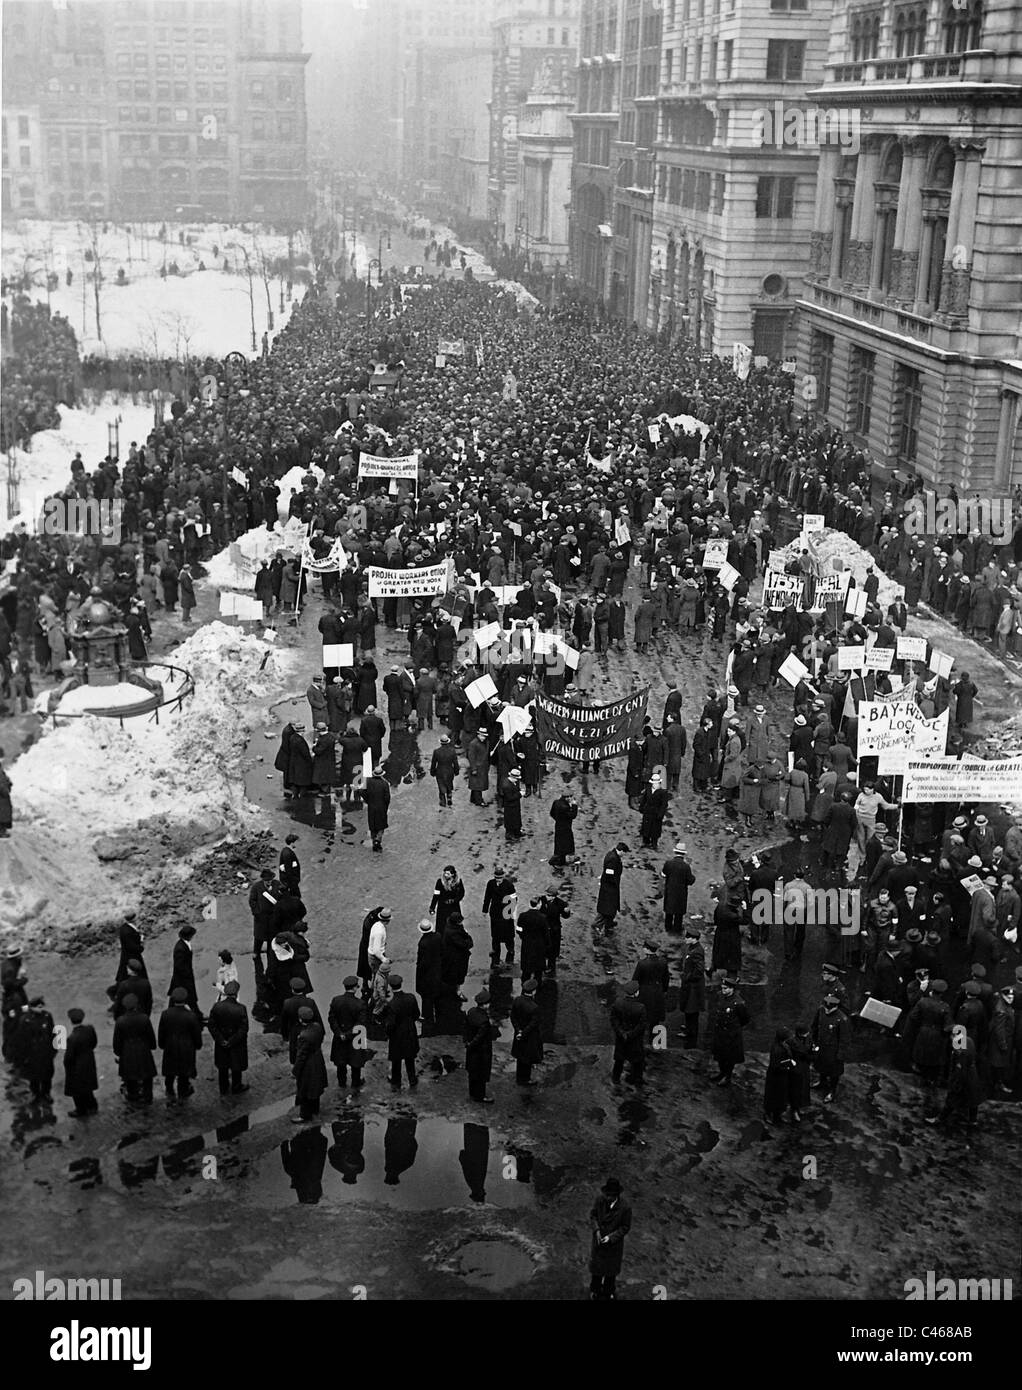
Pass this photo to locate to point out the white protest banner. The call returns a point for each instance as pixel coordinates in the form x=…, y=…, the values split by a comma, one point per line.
x=654, y=434
x=622, y=533
x=228, y=605
x=911, y=648
x=451, y=347
x=930, y=735
x=515, y=528
x=543, y=643
x=741, y=360
x=812, y=521
x=855, y=603
x=480, y=691
x=409, y=583
x=781, y=589
x=367, y=764
x=334, y=562
x=793, y=670
x=239, y=477
x=851, y=658
x=376, y=466
x=941, y=664
x=830, y=588
x=728, y=576
x=950, y=781
x=715, y=554
x=486, y=636
x=879, y=658
x=248, y=609
x=876, y=1011
x=338, y=654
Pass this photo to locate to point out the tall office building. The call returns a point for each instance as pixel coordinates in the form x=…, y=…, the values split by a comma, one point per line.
x=144, y=106
x=911, y=321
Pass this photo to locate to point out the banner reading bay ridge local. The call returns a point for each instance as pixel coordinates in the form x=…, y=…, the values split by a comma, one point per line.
x=410, y=583
x=583, y=733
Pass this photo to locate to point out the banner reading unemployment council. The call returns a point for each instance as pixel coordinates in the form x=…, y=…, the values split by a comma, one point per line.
x=410, y=583
x=953, y=781
x=376, y=466
x=589, y=732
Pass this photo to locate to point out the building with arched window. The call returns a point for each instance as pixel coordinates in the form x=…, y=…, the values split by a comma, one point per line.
x=910, y=326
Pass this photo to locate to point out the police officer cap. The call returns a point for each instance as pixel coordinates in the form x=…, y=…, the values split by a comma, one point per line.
x=529, y=987
x=979, y=972
x=351, y=982
x=232, y=989
x=938, y=986
x=297, y=984
x=396, y=981
x=631, y=988
x=973, y=990
x=179, y=995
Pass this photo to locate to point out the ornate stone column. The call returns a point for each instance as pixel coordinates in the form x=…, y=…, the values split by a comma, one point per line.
x=907, y=228
x=957, y=275
x=844, y=197
x=860, y=246
x=822, y=235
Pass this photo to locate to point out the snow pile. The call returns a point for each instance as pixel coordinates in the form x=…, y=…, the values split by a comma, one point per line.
x=523, y=297
x=255, y=545
x=835, y=545
x=193, y=314
x=688, y=423
x=47, y=468
x=89, y=779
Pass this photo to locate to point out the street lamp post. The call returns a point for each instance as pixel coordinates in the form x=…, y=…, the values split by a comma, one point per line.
x=369, y=288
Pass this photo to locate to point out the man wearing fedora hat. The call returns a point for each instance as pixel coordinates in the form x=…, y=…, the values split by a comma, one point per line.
x=479, y=1033
x=611, y=1220
x=678, y=879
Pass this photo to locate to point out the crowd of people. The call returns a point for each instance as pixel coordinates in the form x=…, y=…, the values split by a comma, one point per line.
x=561, y=514
x=40, y=369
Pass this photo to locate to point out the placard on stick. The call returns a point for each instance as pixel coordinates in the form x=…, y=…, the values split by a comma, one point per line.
x=480, y=691
x=941, y=664
x=338, y=654
x=793, y=670
x=855, y=603
x=911, y=648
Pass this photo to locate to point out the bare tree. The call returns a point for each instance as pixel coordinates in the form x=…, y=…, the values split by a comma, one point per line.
x=92, y=229
x=265, y=272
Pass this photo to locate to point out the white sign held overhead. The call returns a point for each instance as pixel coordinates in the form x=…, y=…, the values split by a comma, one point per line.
x=715, y=553
x=941, y=664
x=911, y=648
x=486, y=636
x=855, y=603
x=812, y=521
x=879, y=658
x=851, y=658
x=792, y=670
x=480, y=691
x=728, y=576
x=338, y=654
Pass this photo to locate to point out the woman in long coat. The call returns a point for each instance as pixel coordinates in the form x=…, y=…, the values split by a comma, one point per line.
x=608, y=901
x=731, y=773
x=282, y=762
x=704, y=745
x=563, y=812
x=800, y=1076
x=780, y=1064
x=749, y=792
x=324, y=760
x=299, y=762
x=727, y=940
x=798, y=794
x=365, y=686
x=532, y=761
x=448, y=893
x=309, y=1070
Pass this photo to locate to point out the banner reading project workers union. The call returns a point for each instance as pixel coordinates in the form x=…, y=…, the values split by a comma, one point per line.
x=410, y=583
x=586, y=733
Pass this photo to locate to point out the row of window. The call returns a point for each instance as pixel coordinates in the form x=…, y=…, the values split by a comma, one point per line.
x=143, y=37
x=691, y=188
x=139, y=62
x=600, y=37
x=710, y=61
x=73, y=141
x=593, y=146
x=961, y=28
x=907, y=396
x=165, y=91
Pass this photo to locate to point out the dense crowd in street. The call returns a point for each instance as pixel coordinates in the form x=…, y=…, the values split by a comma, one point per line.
x=560, y=514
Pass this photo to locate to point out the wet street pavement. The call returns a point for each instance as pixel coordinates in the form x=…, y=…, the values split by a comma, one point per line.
x=425, y=1194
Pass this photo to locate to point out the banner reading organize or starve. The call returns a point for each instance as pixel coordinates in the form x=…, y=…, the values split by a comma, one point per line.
x=587, y=733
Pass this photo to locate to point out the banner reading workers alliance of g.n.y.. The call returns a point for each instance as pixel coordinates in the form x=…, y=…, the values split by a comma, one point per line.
x=588, y=733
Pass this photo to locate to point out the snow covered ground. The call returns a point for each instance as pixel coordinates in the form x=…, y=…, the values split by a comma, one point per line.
x=47, y=468
x=196, y=313
x=833, y=545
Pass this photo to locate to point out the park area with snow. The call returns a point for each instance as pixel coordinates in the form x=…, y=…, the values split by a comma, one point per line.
x=194, y=313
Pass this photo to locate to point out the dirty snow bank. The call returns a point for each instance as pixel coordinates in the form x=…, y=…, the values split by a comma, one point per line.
x=90, y=791
x=833, y=545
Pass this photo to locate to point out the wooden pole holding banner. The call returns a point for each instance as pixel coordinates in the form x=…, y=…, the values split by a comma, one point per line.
x=301, y=572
